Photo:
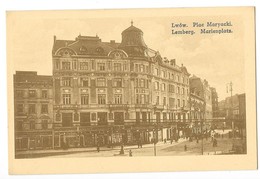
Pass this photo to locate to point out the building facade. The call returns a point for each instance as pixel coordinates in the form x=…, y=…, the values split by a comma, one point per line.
x=33, y=111
x=214, y=96
x=116, y=92
x=201, y=103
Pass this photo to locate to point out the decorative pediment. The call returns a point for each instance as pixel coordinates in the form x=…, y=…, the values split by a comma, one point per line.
x=65, y=52
x=117, y=54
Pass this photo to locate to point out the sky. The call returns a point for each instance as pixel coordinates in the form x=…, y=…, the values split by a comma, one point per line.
x=217, y=58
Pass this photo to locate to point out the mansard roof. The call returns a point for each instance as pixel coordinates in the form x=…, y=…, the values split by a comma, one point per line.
x=85, y=45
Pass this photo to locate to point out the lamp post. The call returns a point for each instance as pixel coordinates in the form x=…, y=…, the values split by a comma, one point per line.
x=201, y=131
x=155, y=130
x=229, y=87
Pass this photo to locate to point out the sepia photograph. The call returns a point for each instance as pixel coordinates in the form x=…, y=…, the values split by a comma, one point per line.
x=131, y=85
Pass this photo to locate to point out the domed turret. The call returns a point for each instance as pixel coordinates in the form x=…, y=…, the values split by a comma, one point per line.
x=132, y=41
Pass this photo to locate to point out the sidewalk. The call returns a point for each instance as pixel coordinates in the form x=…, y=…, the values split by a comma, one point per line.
x=51, y=152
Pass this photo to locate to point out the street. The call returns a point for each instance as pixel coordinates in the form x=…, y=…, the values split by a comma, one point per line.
x=224, y=146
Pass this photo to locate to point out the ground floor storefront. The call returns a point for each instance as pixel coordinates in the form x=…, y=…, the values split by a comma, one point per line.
x=108, y=136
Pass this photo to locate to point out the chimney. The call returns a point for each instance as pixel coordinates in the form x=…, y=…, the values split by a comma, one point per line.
x=173, y=62
x=54, y=38
x=112, y=41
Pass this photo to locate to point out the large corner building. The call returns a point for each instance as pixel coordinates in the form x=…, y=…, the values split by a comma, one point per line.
x=116, y=92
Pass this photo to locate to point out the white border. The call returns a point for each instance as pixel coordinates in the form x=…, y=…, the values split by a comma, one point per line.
x=105, y=4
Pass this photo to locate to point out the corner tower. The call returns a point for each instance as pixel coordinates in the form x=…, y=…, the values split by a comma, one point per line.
x=132, y=41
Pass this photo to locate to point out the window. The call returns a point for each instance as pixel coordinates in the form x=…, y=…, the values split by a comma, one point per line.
x=20, y=108
x=118, y=99
x=157, y=100
x=179, y=103
x=164, y=74
x=19, y=93
x=142, y=68
x=32, y=93
x=156, y=85
x=164, y=116
x=183, y=103
x=84, y=82
x=173, y=76
x=83, y=66
x=178, y=78
x=142, y=99
x=141, y=83
x=31, y=108
x=178, y=90
x=57, y=65
x=101, y=82
x=66, y=98
x=156, y=71
x=136, y=82
x=163, y=86
x=84, y=99
x=44, y=108
x=137, y=99
x=117, y=67
x=66, y=65
x=74, y=65
x=147, y=69
x=117, y=82
x=171, y=88
x=93, y=64
x=136, y=68
x=182, y=91
x=44, y=94
x=101, y=66
x=66, y=81
x=109, y=65
x=164, y=101
x=101, y=99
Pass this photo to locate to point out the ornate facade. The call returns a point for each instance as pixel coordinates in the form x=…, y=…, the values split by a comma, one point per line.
x=124, y=89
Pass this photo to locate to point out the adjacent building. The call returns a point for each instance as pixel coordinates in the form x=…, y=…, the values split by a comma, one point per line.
x=214, y=96
x=33, y=110
x=234, y=109
x=201, y=104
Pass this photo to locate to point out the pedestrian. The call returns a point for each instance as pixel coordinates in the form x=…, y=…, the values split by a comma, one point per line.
x=215, y=143
x=122, y=150
x=185, y=147
x=98, y=148
x=171, y=140
x=130, y=153
x=165, y=141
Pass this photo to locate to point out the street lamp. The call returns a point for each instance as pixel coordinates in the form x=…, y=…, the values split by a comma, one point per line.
x=229, y=87
x=155, y=131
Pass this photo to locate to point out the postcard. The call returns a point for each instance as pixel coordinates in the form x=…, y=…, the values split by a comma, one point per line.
x=131, y=90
